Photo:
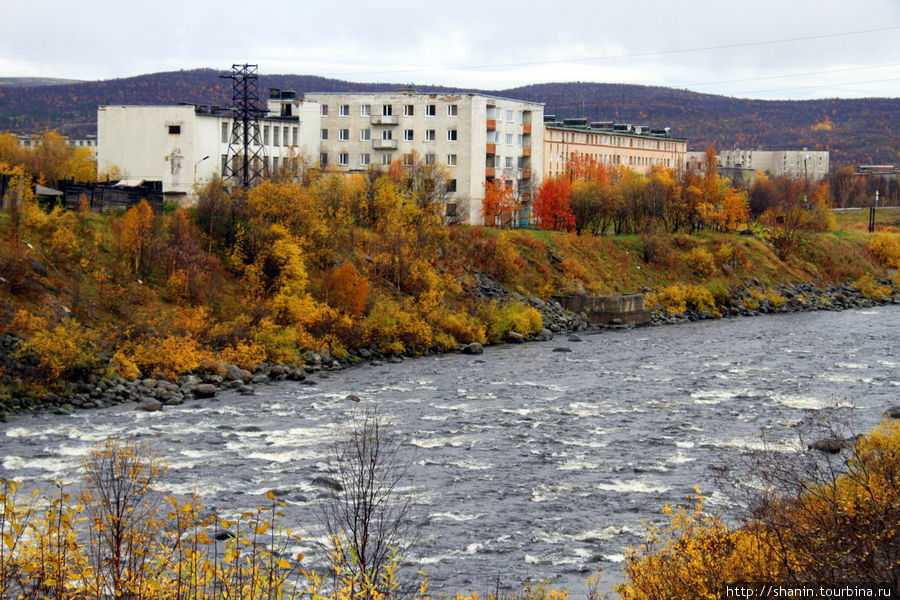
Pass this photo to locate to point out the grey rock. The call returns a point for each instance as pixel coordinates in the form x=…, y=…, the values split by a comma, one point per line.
x=205, y=390
x=514, y=337
x=473, y=348
x=327, y=482
x=831, y=444
x=574, y=338
x=545, y=335
x=149, y=404
x=562, y=349
x=893, y=412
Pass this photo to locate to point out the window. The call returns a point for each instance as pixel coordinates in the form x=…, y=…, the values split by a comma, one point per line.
x=344, y=110
x=409, y=110
x=344, y=135
x=343, y=159
x=519, y=139
x=509, y=139
x=266, y=135
x=324, y=110
x=494, y=139
x=429, y=135
x=365, y=135
x=174, y=129
x=408, y=135
x=509, y=162
x=386, y=159
x=430, y=110
x=429, y=159
x=451, y=186
x=275, y=164
x=276, y=135
x=324, y=134
x=521, y=116
x=387, y=110
x=364, y=159
x=509, y=116
x=323, y=158
x=452, y=110
x=365, y=110
x=224, y=162
x=225, y=132
x=451, y=160
x=285, y=133
x=451, y=208
x=294, y=136
x=451, y=135
x=407, y=160
x=387, y=134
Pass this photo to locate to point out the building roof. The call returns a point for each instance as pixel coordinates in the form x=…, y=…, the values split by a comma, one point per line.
x=416, y=93
x=639, y=131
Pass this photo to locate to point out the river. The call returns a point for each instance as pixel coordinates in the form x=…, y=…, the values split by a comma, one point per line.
x=526, y=463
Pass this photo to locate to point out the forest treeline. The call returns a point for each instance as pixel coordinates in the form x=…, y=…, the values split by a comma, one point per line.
x=855, y=131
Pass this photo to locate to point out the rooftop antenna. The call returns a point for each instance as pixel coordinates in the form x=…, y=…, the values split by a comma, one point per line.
x=245, y=161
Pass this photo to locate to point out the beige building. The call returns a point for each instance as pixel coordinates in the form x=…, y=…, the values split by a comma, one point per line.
x=798, y=164
x=637, y=147
x=478, y=138
x=187, y=143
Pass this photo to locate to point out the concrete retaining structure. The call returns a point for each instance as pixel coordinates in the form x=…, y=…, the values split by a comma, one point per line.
x=608, y=310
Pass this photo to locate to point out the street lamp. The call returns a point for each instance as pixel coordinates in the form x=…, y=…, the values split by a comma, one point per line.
x=196, y=164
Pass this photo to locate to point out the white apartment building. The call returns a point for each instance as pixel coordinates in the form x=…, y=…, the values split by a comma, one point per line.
x=638, y=147
x=187, y=143
x=478, y=138
x=798, y=164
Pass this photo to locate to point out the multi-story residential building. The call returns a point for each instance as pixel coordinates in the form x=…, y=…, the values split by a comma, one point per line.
x=187, y=143
x=28, y=140
x=638, y=147
x=478, y=138
x=740, y=164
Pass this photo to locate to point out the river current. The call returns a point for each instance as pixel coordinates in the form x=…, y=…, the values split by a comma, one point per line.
x=526, y=463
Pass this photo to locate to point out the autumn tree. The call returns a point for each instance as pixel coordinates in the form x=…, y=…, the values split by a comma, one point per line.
x=499, y=206
x=551, y=206
x=135, y=234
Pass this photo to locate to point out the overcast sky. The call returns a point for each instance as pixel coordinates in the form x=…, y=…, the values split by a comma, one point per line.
x=744, y=48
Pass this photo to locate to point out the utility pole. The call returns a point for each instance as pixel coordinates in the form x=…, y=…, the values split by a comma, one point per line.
x=872, y=214
x=245, y=162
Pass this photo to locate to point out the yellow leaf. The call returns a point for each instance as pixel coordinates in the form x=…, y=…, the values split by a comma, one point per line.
x=270, y=495
x=262, y=528
x=284, y=564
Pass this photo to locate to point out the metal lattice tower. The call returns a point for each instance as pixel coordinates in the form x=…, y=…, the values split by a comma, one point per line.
x=246, y=161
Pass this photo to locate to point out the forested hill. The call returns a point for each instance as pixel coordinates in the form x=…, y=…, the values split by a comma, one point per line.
x=857, y=131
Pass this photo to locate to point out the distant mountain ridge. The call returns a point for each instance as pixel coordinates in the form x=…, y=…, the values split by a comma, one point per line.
x=856, y=131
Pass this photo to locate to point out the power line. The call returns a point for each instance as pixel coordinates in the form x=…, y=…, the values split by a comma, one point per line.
x=790, y=75
x=621, y=56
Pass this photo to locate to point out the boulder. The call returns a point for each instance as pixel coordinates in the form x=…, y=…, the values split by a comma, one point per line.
x=574, y=337
x=562, y=349
x=893, y=412
x=545, y=335
x=235, y=373
x=327, y=482
x=149, y=404
x=205, y=390
x=832, y=444
x=473, y=348
x=514, y=337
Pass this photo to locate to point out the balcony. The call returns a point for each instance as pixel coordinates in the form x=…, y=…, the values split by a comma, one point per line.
x=385, y=120
x=384, y=144
x=490, y=172
x=526, y=129
x=492, y=124
x=526, y=173
x=526, y=150
x=491, y=149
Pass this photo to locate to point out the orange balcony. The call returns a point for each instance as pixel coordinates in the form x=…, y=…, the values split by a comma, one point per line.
x=526, y=150
x=526, y=129
x=490, y=172
x=526, y=173
x=491, y=149
x=492, y=124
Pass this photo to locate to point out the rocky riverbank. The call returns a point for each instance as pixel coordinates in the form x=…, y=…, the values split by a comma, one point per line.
x=152, y=394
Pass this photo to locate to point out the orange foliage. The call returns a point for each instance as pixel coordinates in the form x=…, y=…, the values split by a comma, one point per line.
x=499, y=206
x=347, y=290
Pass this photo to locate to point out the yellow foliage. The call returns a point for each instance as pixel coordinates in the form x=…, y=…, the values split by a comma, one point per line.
x=752, y=301
x=701, y=262
x=170, y=356
x=886, y=246
x=514, y=316
x=678, y=298
x=69, y=349
x=245, y=354
x=867, y=286
x=24, y=323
